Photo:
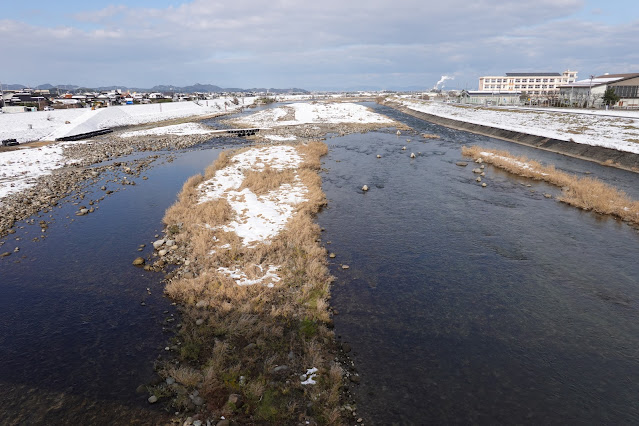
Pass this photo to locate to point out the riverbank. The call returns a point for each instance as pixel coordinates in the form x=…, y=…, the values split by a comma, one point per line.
x=609, y=141
x=586, y=193
x=35, y=180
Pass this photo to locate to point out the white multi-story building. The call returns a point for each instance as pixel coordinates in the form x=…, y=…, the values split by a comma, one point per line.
x=534, y=84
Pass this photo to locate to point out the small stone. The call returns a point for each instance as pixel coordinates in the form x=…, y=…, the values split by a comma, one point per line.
x=355, y=378
x=157, y=244
x=461, y=163
x=483, y=185
x=280, y=369
x=379, y=156
x=169, y=243
x=479, y=160
x=482, y=167
x=170, y=380
x=403, y=148
x=478, y=179
x=332, y=255
x=345, y=267
x=235, y=399
x=412, y=155
x=163, y=252
x=5, y=254
x=138, y=261
x=482, y=174
x=547, y=195
x=201, y=304
x=399, y=133
x=346, y=347
x=476, y=170
x=365, y=188
x=153, y=399
x=197, y=400
x=199, y=321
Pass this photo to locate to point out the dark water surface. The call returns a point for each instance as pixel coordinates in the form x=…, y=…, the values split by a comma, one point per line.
x=75, y=340
x=470, y=305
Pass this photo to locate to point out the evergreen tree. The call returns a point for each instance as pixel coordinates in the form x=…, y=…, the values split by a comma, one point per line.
x=610, y=97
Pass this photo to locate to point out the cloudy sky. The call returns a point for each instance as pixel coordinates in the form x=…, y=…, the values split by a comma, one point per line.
x=321, y=45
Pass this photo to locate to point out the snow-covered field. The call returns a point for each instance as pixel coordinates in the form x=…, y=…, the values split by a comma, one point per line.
x=314, y=113
x=50, y=125
x=19, y=169
x=176, y=129
x=620, y=133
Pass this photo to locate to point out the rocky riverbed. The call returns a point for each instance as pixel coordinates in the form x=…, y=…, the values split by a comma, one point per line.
x=85, y=164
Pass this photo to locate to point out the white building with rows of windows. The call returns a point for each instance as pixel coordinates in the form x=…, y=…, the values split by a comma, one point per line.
x=535, y=84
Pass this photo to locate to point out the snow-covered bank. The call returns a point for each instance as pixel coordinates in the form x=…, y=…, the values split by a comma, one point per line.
x=50, y=125
x=21, y=168
x=183, y=129
x=597, y=130
x=314, y=113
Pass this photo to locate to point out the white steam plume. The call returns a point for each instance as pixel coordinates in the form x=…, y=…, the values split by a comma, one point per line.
x=442, y=80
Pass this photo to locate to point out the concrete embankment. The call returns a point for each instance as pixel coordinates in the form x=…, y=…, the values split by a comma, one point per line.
x=612, y=157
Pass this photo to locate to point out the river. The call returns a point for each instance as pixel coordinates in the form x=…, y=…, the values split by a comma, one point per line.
x=470, y=305
x=462, y=304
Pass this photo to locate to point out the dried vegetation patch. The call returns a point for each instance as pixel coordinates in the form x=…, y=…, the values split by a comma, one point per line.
x=586, y=193
x=255, y=316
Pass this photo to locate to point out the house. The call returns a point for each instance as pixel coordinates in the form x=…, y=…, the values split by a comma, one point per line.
x=627, y=88
x=590, y=92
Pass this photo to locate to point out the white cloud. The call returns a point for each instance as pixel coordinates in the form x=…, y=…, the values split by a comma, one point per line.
x=282, y=43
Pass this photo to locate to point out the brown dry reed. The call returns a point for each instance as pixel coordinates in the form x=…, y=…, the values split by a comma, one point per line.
x=586, y=193
x=249, y=330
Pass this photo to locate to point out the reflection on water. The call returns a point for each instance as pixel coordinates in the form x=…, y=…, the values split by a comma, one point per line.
x=478, y=305
x=75, y=339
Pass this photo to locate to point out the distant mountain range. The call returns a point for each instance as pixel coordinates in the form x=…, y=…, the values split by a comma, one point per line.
x=207, y=88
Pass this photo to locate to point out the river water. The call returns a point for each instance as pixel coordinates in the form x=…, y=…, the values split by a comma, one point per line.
x=75, y=339
x=470, y=305
x=462, y=304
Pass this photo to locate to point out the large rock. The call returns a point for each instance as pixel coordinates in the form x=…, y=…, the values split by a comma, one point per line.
x=157, y=244
x=139, y=261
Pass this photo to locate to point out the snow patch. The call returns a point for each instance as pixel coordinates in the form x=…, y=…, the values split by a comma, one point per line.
x=177, y=129
x=258, y=218
x=309, y=377
x=241, y=278
x=309, y=113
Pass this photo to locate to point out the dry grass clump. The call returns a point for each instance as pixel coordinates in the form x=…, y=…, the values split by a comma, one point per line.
x=233, y=338
x=430, y=136
x=586, y=193
x=262, y=181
